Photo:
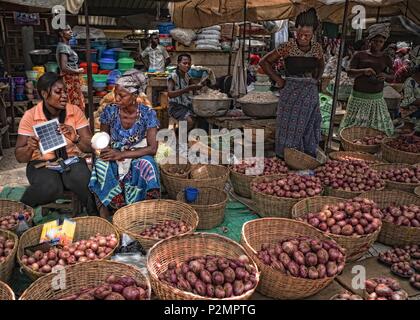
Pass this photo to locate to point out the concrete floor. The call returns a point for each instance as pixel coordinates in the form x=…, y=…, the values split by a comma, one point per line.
x=12, y=173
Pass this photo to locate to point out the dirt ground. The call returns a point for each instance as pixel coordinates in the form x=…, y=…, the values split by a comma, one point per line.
x=12, y=173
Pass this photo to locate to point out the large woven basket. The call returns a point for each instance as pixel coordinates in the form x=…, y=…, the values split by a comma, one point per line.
x=337, y=193
x=218, y=178
x=6, y=293
x=135, y=218
x=80, y=276
x=355, y=246
x=178, y=249
x=392, y=185
x=241, y=183
x=86, y=227
x=6, y=268
x=397, y=156
x=273, y=283
x=348, y=135
x=168, y=167
x=271, y=206
x=210, y=207
x=300, y=161
x=391, y=234
x=10, y=206
x=341, y=155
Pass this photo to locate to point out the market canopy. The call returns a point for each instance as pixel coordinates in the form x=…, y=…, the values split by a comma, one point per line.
x=196, y=14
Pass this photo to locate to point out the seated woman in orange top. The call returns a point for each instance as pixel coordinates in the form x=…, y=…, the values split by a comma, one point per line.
x=47, y=185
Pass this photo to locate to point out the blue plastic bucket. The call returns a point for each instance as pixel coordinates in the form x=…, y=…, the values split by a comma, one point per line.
x=109, y=54
x=191, y=194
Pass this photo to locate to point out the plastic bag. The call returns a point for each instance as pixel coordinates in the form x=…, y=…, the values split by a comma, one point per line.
x=209, y=42
x=208, y=47
x=184, y=36
x=208, y=37
x=212, y=28
x=131, y=252
x=211, y=33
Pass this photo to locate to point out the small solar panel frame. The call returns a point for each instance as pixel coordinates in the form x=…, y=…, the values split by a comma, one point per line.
x=50, y=140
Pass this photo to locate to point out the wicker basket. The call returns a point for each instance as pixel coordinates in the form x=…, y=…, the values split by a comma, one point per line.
x=271, y=206
x=133, y=219
x=300, y=161
x=355, y=246
x=392, y=234
x=397, y=156
x=392, y=185
x=337, y=193
x=273, y=283
x=210, y=207
x=219, y=176
x=80, y=276
x=6, y=293
x=9, y=206
x=241, y=183
x=86, y=227
x=166, y=168
x=339, y=156
x=179, y=249
x=6, y=268
x=348, y=135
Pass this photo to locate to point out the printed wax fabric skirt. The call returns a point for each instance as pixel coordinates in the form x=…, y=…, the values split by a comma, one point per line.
x=298, y=117
x=140, y=183
x=368, y=110
x=74, y=90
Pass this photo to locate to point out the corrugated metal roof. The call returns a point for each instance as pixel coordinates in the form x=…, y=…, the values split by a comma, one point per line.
x=125, y=7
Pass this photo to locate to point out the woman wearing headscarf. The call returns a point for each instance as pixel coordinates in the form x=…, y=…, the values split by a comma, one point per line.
x=366, y=106
x=67, y=60
x=298, y=114
x=126, y=171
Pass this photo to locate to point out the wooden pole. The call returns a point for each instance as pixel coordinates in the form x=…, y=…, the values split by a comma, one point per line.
x=89, y=70
x=337, y=77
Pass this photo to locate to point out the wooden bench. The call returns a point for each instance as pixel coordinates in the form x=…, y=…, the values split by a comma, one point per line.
x=72, y=205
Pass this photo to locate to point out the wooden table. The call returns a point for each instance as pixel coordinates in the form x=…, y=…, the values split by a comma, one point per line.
x=156, y=83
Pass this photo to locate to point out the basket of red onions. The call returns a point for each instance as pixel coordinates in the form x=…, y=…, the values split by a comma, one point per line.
x=242, y=174
x=401, y=216
x=399, y=176
x=348, y=179
x=355, y=156
x=10, y=211
x=355, y=224
x=298, y=160
x=201, y=266
x=8, y=248
x=93, y=280
x=295, y=259
x=404, y=149
x=94, y=238
x=361, y=139
x=6, y=293
x=154, y=220
x=275, y=196
x=384, y=288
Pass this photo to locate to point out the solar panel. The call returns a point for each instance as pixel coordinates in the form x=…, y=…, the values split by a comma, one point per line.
x=50, y=138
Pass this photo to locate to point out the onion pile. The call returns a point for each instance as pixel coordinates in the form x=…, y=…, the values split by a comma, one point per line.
x=408, y=216
x=351, y=158
x=349, y=176
x=114, y=288
x=97, y=247
x=403, y=269
x=351, y=218
x=415, y=264
x=404, y=175
x=6, y=248
x=292, y=186
x=10, y=221
x=370, y=140
x=166, y=229
x=415, y=281
x=269, y=166
x=394, y=256
x=407, y=144
x=413, y=250
x=212, y=276
x=304, y=257
x=384, y=289
x=347, y=296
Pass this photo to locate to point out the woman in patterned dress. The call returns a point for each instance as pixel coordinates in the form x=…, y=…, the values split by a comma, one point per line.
x=298, y=114
x=126, y=172
x=370, y=68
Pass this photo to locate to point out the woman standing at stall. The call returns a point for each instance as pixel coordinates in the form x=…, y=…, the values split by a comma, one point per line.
x=68, y=59
x=126, y=172
x=371, y=68
x=298, y=113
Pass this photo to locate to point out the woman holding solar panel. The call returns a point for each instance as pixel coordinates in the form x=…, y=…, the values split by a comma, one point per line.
x=54, y=131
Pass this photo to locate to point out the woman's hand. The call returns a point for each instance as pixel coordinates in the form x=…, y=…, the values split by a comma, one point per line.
x=68, y=131
x=109, y=154
x=280, y=83
x=195, y=87
x=33, y=144
x=369, y=72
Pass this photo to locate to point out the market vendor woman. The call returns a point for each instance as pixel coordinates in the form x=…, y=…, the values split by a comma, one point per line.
x=298, y=115
x=47, y=185
x=126, y=172
x=371, y=68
